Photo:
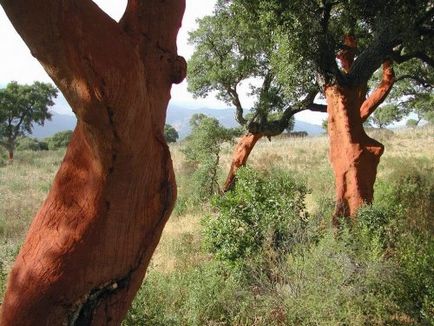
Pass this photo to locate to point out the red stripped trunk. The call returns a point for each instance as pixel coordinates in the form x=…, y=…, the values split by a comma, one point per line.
x=239, y=157
x=353, y=154
x=88, y=247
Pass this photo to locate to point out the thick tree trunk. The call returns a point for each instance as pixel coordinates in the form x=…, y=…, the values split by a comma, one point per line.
x=239, y=157
x=354, y=155
x=89, y=245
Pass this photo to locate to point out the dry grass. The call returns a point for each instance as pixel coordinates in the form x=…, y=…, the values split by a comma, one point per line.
x=24, y=184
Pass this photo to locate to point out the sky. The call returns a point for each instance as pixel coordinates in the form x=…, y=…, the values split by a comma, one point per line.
x=16, y=62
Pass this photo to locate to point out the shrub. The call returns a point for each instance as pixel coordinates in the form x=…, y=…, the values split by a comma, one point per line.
x=205, y=295
x=31, y=144
x=262, y=213
x=202, y=150
x=170, y=134
x=59, y=140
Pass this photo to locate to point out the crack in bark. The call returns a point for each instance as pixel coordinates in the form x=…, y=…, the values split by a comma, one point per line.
x=83, y=311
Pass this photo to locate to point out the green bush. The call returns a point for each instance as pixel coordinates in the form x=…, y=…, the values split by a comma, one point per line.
x=59, y=140
x=262, y=213
x=378, y=271
x=202, y=152
x=205, y=295
x=31, y=144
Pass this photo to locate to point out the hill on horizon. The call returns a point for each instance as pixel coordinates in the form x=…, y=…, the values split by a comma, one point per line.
x=177, y=116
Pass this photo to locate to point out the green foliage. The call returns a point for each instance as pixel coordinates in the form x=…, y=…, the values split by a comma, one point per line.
x=202, y=151
x=376, y=272
x=230, y=49
x=205, y=295
x=31, y=144
x=324, y=125
x=412, y=123
x=59, y=140
x=20, y=107
x=386, y=115
x=262, y=213
x=170, y=134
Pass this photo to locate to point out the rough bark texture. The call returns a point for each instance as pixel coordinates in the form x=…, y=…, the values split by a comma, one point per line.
x=353, y=154
x=88, y=247
x=240, y=156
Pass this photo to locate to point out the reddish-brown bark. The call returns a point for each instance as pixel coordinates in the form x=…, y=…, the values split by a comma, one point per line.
x=11, y=155
x=89, y=245
x=239, y=157
x=353, y=154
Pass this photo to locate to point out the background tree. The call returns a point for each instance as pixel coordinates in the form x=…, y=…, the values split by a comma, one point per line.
x=340, y=44
x=90, y=243
x=386, y=115
x=20, y=107
x=170, y=134
x=59, y=140
x=412, y=123
x=414, y=90
x=31, y=144
x=202, y=149
x=230, y=49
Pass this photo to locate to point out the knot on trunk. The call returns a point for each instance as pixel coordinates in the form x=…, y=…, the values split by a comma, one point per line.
x=179, y=70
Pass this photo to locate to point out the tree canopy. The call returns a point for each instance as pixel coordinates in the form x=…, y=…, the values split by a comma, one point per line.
x=231, y=50
x=386, y=115
x=20, y=107
x=170, y=134
x=310, y=33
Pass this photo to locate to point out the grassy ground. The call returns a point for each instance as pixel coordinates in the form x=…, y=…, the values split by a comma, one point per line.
x=25, y=183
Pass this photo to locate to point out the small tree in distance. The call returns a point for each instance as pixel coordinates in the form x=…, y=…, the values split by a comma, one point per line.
x=230, y=49
x=202, y=149
x=20, y=107
x=386, y=115
x=59, y=140
x=170, y=134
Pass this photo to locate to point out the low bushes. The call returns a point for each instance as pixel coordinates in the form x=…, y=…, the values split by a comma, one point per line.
x=270, y=263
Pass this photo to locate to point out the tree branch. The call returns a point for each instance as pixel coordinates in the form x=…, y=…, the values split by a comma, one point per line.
x=396, y=56
x=379, y=95
x=239, y=112
x=423, y=82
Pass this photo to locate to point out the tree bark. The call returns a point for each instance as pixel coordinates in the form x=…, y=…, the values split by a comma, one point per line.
x=89, y=245
x=10, y=155
x=353, y=154
x=239, y=157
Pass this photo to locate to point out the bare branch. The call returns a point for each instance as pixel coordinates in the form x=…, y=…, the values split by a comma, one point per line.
x=239, y=111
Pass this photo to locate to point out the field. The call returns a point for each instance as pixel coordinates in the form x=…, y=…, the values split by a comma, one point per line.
x=326, y=279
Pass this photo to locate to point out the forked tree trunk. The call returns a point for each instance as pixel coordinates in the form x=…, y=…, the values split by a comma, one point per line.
x=89, y=245
x=353, y=154
x=239, y=157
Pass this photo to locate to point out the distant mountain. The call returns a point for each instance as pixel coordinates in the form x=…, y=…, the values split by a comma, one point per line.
x=177, y=116
x=58, y=122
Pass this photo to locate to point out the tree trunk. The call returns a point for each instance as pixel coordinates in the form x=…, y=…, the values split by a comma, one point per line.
x=11, y=155
x=240, y=156
x=354, y=155
x=89, y=245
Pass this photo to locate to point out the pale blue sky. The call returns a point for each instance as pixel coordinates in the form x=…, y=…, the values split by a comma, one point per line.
x=16, y=62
